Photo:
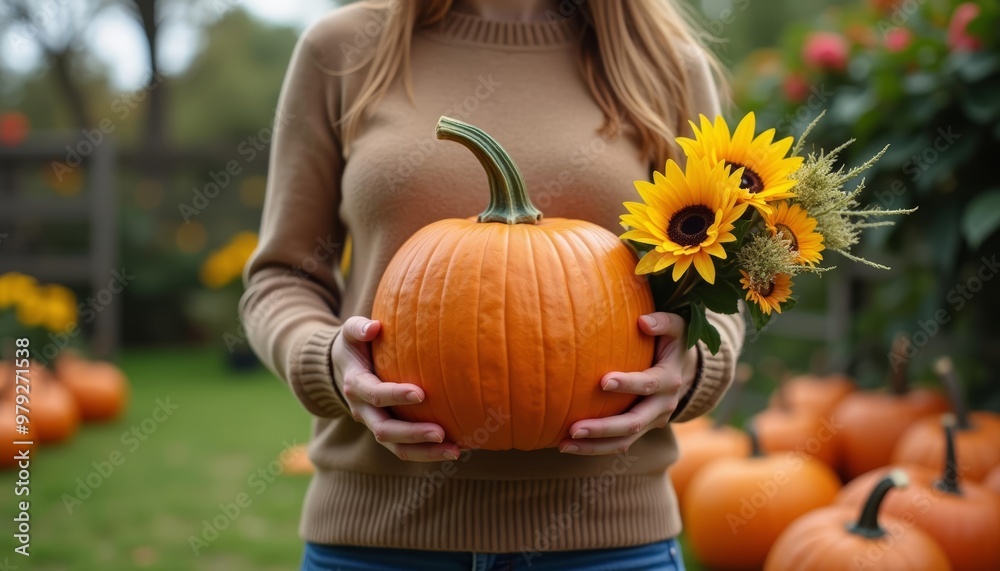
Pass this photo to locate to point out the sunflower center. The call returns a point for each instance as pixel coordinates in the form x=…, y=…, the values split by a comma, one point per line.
x=751, y=181
x=689, y=225
x=767, y=290
x=785, y=233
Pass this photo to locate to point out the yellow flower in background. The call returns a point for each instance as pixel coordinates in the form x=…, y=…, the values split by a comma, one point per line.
x=19, y=286
x=60, y=307
x=30, y=310
x=226, y=264
x=766, y=171
x=770, y=296
x=687, y=216
x=792, y=223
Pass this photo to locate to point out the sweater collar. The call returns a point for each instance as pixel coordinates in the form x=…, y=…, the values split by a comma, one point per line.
x=467, y=29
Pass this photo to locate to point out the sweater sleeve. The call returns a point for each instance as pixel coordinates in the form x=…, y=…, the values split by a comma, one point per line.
x=715, y=372
x=292, y=294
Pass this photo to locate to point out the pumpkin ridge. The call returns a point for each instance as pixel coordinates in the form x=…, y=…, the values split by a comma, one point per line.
x=560, y=255
x=538, y=296
x=609, y=297
x=442, y=349
x=626, y=299
x=437, y=387
x=398, y=277
x=479, y=299
x=506, y=343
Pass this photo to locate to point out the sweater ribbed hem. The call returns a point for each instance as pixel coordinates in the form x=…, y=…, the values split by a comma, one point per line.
x=441, y=513
x=312, y=376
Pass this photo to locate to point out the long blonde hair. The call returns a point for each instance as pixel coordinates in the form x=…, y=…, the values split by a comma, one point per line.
x=632, y=58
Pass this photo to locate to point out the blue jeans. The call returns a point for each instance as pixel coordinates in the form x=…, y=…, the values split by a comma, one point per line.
x=660, y=556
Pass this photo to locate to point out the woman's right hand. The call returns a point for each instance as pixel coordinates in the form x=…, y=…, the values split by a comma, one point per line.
x=367, y=396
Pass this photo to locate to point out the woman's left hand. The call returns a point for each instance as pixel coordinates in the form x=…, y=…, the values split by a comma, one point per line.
x=662, y=387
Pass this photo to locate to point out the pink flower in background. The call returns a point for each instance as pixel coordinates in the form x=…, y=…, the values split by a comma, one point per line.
x=959, y=38
x=825, y=50
x=898, y=39
x=796, y=87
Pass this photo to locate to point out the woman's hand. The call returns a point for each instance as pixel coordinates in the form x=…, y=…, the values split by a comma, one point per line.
x=662, y=385
x=367, y=396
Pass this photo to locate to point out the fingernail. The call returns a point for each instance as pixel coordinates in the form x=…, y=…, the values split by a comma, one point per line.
x=450, y=455
x=649, y=320
x=364, y=328
x=611, y=385
x=570, y=448
x=433, y=437
x=412, y=396
x=582, y=433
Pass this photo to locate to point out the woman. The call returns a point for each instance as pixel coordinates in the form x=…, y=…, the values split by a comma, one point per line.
x=586, y=97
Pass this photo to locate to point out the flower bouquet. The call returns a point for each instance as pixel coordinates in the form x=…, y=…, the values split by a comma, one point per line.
x=745, y=216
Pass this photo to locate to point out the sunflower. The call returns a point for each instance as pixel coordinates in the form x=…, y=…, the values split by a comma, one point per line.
x=792, y=223
x=687, y=216
x=768, y=296
x=765, y=175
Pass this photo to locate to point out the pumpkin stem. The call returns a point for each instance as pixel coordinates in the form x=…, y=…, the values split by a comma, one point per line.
x=509, y=202
x=898, y=380
x=725, y=411
x=867, y=525
x=949, y=480
x=751, y=430
x=945, y=370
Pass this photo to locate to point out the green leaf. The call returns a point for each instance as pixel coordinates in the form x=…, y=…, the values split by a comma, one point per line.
x=789, y=303
x=699, y=329
x=981, y=217
x=740, y=229
x=758, y=317
x=720, y=298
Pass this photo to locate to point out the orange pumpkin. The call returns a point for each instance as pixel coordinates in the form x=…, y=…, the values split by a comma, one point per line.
x=696, y=424
x=963, y=517
x=54, y=415
x=508, y=322
x=99, y=388
x=871, y=423
x=736, y=508
x=296, y=460
x=835, y=538
x=712, y=440
x=812, y=393
x=799, y=431
x=977, y=436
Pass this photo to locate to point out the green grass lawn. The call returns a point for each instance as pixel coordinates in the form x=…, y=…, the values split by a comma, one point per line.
x=207, y=452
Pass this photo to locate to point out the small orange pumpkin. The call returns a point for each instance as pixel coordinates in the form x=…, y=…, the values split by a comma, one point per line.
x=701, y=446
x=813, y=393
x=797, y=430
x=871, y=423
x=99, y=388
x=462, y=303
x=977, y=436
x=54, y=414
x=963, y=517
x=834, y=538
x=735, y=508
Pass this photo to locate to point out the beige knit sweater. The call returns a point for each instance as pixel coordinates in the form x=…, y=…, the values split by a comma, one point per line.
x=519, y=81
